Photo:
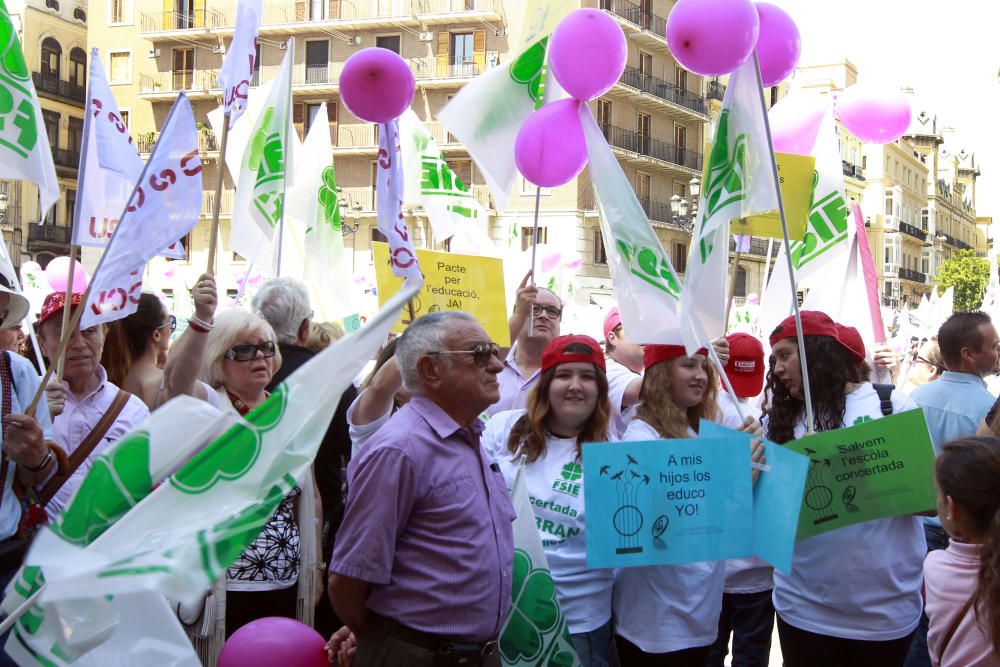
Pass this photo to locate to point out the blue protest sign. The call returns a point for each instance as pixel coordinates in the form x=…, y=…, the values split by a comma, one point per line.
x=666, y=502
x=777, y=498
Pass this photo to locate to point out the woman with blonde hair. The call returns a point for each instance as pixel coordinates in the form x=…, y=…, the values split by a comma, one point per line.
x=669, y=614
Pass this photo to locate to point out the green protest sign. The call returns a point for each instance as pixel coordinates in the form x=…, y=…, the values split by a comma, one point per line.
x=872, y=470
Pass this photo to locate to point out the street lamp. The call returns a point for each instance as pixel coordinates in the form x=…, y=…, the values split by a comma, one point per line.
x=695, y=186
x=679, y=210
x=4, y=200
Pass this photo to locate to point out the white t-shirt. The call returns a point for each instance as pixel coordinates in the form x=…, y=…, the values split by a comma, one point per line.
x=666, y=608
x=863, y=581
x=619, y=378
x=555, y=486
x=360, y=434
x=744, y=575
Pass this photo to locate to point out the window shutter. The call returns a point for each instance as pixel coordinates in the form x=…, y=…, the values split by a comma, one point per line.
x=479, y=50
x=444, y=49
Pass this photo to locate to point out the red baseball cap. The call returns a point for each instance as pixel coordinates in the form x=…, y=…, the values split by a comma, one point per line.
x=612, y=321
x=851, y=339
x=745, y=368
x=657, y=354
x=54, y=304
x=814, y=323
x=555, y=352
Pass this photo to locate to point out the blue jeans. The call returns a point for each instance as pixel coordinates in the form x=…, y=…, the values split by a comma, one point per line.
x=919, y=656
x=594, y=647
x=750, y=619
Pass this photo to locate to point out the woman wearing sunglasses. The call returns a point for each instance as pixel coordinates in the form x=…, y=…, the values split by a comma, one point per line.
x=240, y=358
x=567, y=407
x=136, y=344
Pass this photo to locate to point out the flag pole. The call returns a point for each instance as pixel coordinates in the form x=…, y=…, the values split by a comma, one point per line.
x=803, y=362
x=732, y=286
x=767, y=264
x=68, y=299
x=538, y=189
x=285, y=159
x=217, y=204
x=21, y=610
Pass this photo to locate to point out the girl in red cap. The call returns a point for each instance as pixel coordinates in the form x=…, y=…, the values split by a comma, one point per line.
x=669, y=614
x=853, y=594
x=568, y=406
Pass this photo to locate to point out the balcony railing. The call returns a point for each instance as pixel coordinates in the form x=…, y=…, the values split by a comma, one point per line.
x=658, y=211
x=452, y=6
x=951, y=240
x=161, y=21
x=208, y=199
x=665, y=91
x=853, y=170
x=910, y=274
x=635, y=142
x=280, y=13
x=910, y=230
x=38, y=232
x=716, y=90
x=66, y=158
x=174, y=82
x=758, y=247
x=634, y=14
x=206, y=142
x=436, y=68
x=53, y=85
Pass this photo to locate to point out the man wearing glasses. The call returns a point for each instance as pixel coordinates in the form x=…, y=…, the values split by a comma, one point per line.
x=421, y=569
x=536, y=319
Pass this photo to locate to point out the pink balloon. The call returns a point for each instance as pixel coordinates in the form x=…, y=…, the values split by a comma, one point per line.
x=712, y=37
x=550, y=149
x=57, y=273
x=274, y=642
x=795, y=122
x=376, y=85
x=779, y=44
x=588, y=53
x=753, y=298
x=874, y=115
x=31, y=266
x=551, y=261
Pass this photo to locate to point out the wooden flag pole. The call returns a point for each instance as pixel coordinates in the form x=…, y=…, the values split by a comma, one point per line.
x=732, y=287
x=68, y=299
x=534, y=253
x=803, y=362
x=217, y=204
x=288, y=166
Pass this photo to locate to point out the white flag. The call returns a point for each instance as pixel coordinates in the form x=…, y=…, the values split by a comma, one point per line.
x=488, y=112
x=25, y=153
x=164, y=207
x=109, y=166
x=646, y=284
x=739, y=182
x=184, y=534
x=826, y=248
x=314, y=236
x=237, y=70
x=389, y=199
x=260, y=193
x=450, y=207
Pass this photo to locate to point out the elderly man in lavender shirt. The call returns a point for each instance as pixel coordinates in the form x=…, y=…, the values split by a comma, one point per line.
x=422, y=565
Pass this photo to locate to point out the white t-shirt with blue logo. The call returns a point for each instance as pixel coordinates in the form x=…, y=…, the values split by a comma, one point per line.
x=555, y=485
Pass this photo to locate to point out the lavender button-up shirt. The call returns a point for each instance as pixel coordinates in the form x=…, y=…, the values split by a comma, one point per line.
x=428, y=525
x=514, y=387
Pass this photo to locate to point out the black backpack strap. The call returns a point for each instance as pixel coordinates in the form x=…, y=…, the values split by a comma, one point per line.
x=884, y=392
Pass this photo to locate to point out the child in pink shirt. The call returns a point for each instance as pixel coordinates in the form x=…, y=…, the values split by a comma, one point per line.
x=962, y=583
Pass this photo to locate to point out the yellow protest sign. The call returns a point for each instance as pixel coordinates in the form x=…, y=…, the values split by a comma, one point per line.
x=451, y=282
x=540, y=18
x=796, y=175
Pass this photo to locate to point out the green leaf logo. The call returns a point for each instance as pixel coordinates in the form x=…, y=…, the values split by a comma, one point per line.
x=328, y=201
x=862, y=419
x=534, y=612
x=527, y=69
x=11, y=56
x=572, y=471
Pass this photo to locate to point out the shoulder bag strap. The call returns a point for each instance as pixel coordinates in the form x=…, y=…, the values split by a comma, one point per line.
x=954, y=626
x=6, y=392
x=81, y=453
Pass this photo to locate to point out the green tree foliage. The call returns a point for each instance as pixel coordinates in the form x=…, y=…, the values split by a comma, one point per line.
x=969, y=275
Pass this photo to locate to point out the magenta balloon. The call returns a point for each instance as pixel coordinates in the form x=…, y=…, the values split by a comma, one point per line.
x=550, y=149
x=376, y=85
x=274, y=642
x=588, y=53
x=57, y=273
x=795, y=122
x=779, y=44
x=874, y=115
x=712, y=37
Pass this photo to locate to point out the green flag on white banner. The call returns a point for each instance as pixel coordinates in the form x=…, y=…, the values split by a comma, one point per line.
x=25, y=153
x=535, y=634
x=739, y=182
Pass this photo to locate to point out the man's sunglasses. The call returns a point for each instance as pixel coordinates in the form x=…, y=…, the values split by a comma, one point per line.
x=248, y=351
x=481, y=353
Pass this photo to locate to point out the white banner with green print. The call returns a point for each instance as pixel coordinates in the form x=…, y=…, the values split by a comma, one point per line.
x=119, y=536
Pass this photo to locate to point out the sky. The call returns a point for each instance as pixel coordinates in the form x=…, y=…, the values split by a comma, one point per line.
x=948, y=52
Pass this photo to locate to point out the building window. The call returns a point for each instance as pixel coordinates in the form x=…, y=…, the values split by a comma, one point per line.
x=52, y=4
x=526, y=234
x=740, y=289
x=255, y=78
x=680, y=136
x=51, y=57
x=70, y=206
x=603, y=114
x=79, y=14
x=78, y=67
x=461, y=48
x=390, y=42
x=680, y=258
x=120, y=67
x=124, y=114
x=116, y=11
x=378, y=237
x=317, y=61
x=312, y=111
x=52, y=127
x=600, y=254
x=75, y=134
x=925, y=219
x=183, y=69
x=645, y=64
x=889, y=203
x=681, y=78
